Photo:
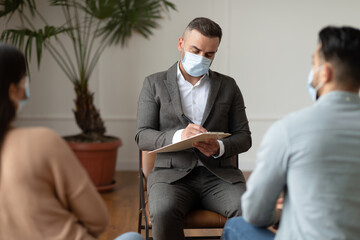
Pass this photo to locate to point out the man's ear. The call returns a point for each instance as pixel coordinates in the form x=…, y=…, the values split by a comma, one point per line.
x=180, y=43
x=327, y=74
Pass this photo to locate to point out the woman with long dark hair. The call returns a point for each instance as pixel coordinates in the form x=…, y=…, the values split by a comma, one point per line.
x=44, y=191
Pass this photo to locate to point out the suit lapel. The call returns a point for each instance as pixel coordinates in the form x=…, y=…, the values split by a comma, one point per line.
x=213, y=92
x=173, y=89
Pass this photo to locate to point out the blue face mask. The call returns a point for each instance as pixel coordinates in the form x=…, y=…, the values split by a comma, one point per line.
x=313, y=91
x=195, y=65
x=23, y=102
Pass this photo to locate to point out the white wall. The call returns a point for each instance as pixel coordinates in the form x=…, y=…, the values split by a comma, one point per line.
x=267, y=48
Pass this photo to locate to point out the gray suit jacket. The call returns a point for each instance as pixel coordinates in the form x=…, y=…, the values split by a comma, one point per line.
x=159, y=117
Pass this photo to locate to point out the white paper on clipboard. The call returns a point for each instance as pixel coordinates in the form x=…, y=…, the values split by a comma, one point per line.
x=187, y=143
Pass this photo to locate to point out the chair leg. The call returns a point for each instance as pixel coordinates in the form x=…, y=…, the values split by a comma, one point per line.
x=139, y=222
x=147, y=232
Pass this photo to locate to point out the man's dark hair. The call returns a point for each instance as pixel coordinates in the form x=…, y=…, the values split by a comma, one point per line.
x=341, y=47
x=206, y=27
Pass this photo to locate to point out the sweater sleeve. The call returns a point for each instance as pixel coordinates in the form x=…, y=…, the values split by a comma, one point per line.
x=74, y=188
x=268, y=179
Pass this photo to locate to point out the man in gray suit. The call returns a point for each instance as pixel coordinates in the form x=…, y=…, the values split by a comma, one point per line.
x=313, y=155
x=183, y=101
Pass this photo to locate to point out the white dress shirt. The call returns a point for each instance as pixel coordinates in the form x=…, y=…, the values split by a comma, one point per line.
x=193, y=102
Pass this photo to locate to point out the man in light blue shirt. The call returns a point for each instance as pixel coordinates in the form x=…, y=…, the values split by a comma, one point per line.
x=312, y=156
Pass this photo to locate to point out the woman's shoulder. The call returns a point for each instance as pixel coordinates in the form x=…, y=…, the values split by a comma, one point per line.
x=37, y=144
x=34, y=131
x=33, y=135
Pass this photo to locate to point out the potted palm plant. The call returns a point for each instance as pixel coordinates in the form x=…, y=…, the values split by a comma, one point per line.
x=91, y=26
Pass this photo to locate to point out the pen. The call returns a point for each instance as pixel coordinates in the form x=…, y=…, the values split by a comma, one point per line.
x=186, y=118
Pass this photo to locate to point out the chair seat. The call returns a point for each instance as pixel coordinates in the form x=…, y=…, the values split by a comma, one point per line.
x=199, y=218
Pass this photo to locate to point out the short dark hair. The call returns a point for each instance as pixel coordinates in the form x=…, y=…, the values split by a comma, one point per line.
x=341, y=47
x=206, y=27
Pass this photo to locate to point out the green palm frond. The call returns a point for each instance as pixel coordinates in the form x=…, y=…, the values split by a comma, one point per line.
x=134, y=15
x=11, y=6
x=100, y=9
x=24, y=39
x=115, y=20
x=86, y=22
x=169, y=5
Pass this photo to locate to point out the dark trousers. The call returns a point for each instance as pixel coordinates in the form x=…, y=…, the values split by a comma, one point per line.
x=169, y=203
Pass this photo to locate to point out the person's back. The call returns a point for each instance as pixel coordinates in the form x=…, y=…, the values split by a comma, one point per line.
x=312, y=156
x=45, y=193
x=323, y=198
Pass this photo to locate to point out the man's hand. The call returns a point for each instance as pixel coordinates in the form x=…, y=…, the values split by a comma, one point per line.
x=191, y=130
x=278, y=208
x=280, y=203
x=208, y=147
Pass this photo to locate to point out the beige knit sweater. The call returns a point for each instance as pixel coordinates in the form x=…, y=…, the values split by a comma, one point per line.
x=44, y=191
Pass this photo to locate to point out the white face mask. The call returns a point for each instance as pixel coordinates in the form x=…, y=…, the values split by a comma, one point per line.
x=23, y=102
x=311, y=90
x=195, y=65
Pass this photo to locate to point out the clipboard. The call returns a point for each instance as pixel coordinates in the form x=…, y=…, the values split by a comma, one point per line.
x=187, y=143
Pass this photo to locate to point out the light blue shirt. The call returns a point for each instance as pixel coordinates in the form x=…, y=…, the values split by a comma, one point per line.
x=313, y=155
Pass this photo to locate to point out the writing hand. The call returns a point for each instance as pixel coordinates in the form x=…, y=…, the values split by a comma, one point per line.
x=191, y=130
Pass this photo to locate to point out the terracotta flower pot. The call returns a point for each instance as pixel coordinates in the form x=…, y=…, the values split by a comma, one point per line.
x=99, y=160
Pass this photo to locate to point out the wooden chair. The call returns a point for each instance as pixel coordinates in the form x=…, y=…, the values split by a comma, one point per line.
x=196, y=219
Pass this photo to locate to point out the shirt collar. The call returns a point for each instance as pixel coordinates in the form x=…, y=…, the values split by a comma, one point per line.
x=339, y=96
